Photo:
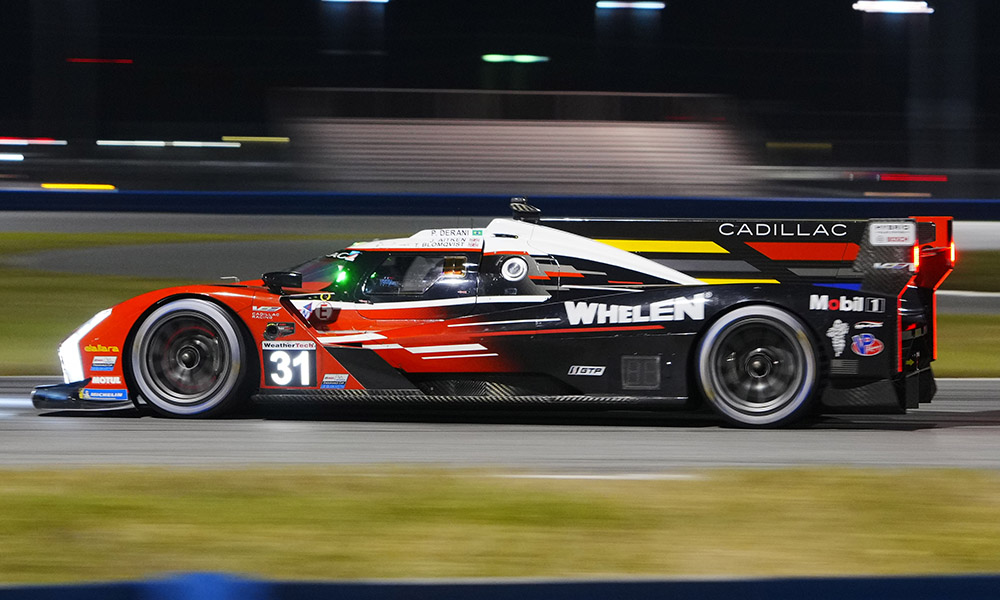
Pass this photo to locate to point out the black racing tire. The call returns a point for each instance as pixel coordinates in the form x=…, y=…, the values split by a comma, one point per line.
x=757, y=366
x=189, y=358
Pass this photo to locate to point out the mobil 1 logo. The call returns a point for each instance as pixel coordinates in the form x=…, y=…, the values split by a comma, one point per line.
x=289, y=363
x=846, y=303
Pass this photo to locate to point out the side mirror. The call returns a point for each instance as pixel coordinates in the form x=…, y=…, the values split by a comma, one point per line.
x=277, y=280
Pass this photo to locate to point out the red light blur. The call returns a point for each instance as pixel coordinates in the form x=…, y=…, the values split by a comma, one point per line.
x=909, y=177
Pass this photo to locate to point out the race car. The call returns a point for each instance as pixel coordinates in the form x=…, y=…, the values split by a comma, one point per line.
x=763, y=321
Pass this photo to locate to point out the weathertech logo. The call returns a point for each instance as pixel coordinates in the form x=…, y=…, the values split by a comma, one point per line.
x=845, y=304
x=674, y=309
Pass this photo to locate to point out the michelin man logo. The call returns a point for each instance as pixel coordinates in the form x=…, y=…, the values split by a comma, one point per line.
x=838, y=335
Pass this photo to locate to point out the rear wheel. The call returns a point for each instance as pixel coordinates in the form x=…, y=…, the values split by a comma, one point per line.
x=188, y=358
x=757, y=367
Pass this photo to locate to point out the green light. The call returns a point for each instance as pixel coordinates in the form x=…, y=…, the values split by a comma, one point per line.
x=341, y=277
x=517, y=58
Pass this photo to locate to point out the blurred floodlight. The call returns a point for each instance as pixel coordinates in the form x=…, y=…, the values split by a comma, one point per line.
x=11, y=157
x=204, y=144
x=78, y=186
x=893, y=6
x=9, y=141
x=516, y=58
x=635, y=5
x=263, y=139
x=145, y=143
x=164, y=144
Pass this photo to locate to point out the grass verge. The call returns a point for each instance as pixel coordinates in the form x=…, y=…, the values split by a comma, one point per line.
x=335, y=523
x=968, y=346
x=975, y=270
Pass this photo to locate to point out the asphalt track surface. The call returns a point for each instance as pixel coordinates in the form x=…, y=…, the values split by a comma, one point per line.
x=961, y=429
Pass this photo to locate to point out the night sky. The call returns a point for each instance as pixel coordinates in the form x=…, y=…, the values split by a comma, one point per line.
x=197, y=61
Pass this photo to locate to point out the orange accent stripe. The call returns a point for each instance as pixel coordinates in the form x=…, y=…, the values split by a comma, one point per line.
x=539, y=277
x=806, y=250
x=563, y=274
x=625, y=282
x=505, y=252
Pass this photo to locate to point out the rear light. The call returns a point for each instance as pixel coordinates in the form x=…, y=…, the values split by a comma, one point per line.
x=953, y=254
x=916, y=258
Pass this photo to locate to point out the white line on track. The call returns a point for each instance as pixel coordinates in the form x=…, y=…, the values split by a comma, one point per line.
x=14, y=402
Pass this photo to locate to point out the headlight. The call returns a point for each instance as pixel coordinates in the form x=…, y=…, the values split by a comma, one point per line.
x=69, y=350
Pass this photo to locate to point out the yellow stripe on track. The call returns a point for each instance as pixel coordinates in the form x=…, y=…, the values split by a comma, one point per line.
x=679, y=246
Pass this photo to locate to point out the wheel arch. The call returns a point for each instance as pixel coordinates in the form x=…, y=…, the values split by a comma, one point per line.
x=694, y=381
x=252, y=361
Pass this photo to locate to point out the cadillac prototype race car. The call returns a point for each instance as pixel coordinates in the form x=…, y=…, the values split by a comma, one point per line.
x=762, y=321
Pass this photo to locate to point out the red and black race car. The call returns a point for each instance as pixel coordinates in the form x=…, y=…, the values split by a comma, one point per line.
x=763, y=321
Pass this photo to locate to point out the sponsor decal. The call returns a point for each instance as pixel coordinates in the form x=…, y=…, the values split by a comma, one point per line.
x=868, y=325
x=838, y=336
x=289, y=363
x=101, y=348
x=288, y=345
x=323, y=310
x=898, y=266
x=348, y=255
x=103, y=363
x=783, y=229
x=334, y=381
x=586, y=370
x=892, y=234
x=674, y=309
x=89, y=394
x=106, y=380
x=866, y=344
x=846, y=304
x=276, y=330
x=264, y=312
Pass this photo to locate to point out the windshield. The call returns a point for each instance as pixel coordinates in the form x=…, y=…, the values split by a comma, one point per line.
x=336, y=273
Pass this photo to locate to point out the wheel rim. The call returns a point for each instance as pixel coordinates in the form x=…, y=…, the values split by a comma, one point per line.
x=186, y=359
x=758, y=366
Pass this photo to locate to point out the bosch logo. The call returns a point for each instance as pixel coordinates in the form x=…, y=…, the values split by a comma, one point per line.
x=866, y=344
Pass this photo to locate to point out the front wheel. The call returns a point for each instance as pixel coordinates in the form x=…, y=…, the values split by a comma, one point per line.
x=757, y=367
x=188, y=358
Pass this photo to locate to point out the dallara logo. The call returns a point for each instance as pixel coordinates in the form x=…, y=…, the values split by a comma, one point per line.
x=674, y=309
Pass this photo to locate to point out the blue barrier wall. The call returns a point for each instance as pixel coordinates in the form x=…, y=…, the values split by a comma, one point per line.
x=320, y=203
x=225, y=587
